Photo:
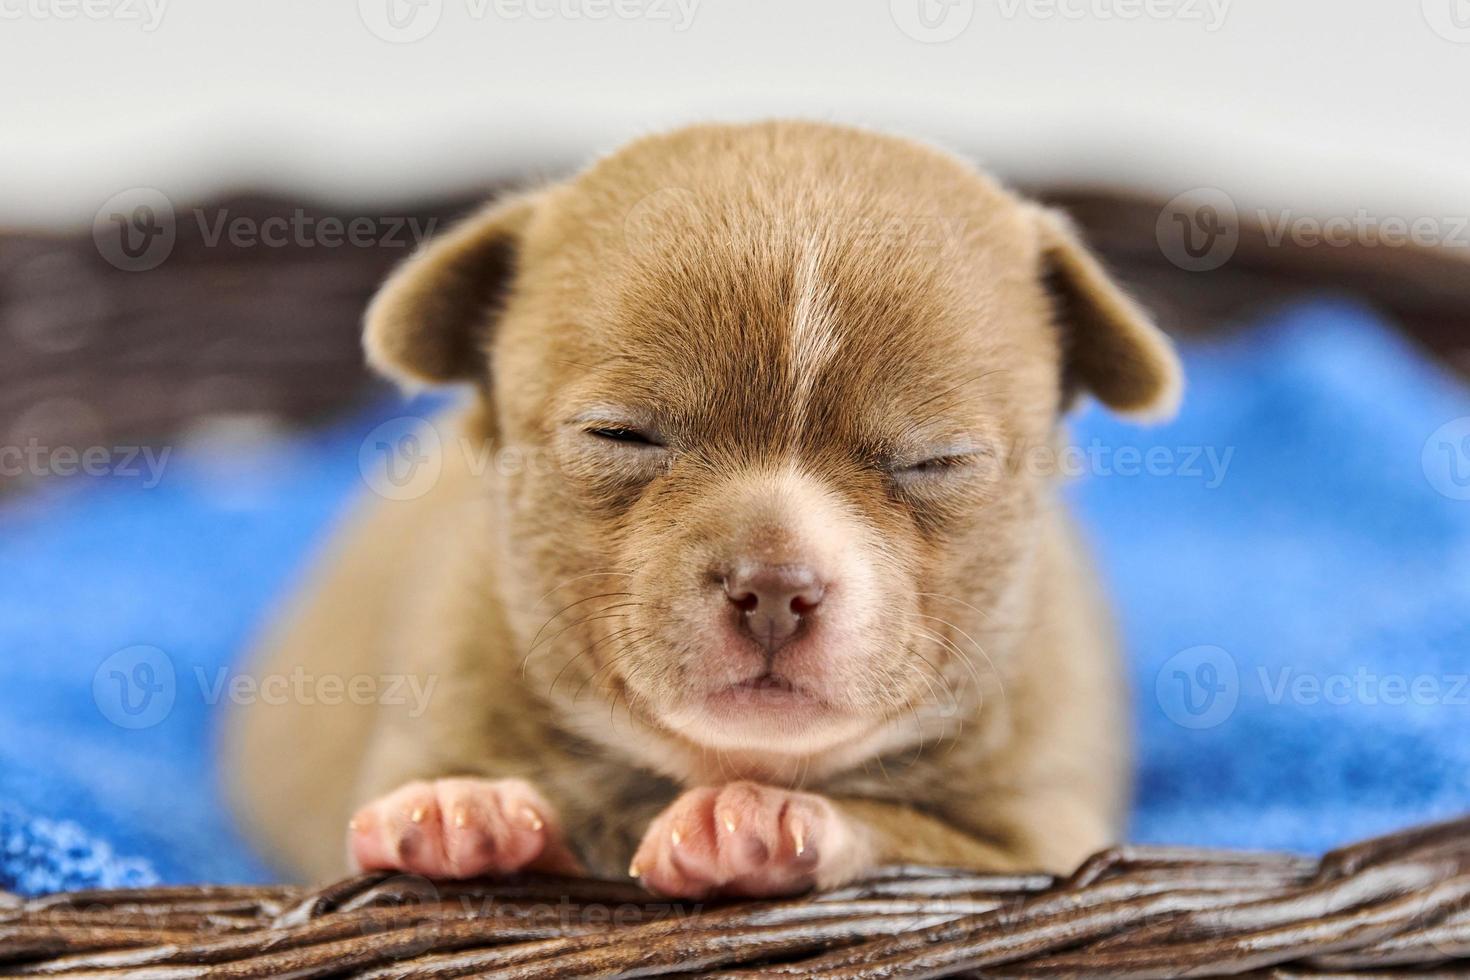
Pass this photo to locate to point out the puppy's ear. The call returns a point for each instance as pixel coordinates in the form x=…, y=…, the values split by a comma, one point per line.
x=1111, y=347
x=431, y=322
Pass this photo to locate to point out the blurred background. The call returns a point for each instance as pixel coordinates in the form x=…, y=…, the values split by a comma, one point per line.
x=198, y=198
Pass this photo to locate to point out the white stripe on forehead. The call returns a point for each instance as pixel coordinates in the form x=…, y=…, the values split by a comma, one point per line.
x=813, y=338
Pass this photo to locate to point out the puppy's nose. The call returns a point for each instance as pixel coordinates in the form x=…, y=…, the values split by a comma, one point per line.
x=773, y=600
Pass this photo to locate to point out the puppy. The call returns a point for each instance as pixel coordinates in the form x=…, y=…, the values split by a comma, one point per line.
x=767, y=582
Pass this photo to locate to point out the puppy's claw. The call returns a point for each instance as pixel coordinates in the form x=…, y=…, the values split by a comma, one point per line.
x=418, y=814
x=533, y=819
x=798, y=838
x=676, y=837
x=729, y=822
x=633, y=871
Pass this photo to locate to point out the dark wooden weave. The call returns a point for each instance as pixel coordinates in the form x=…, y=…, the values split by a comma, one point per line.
x=1396, y=905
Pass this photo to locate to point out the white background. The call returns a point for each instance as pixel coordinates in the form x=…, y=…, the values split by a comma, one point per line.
x=1326, y=105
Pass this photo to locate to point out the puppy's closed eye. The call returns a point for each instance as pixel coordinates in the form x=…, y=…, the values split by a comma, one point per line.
x=947, y=463
x=611, y=460
x=940, y=487
x=959, y=458
x=625, y=434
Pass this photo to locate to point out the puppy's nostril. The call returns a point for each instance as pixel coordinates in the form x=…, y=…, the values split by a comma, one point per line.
x=803, y=604
x=773, y=600
x=746, y=602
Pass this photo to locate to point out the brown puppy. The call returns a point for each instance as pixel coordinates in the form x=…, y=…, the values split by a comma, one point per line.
x=775, y=586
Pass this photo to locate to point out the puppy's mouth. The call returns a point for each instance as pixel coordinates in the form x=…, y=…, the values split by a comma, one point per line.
x=768, y=690
x=768, y=681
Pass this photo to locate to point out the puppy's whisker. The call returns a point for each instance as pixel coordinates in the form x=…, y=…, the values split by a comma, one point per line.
x=925, y=677
x=919, y=725
x=578, y=578
x=623, y=652
x=592, y=617
x=572, y=605
x=948, y=644
x=951, y=731
x=884, y=770
x=587, y=651
x=596, y=615
x=995, y=671
x=548, y=644
x=950, y=598
x=979, y=684
x=949, y=693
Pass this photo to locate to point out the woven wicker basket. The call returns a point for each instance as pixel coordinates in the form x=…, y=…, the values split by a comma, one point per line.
x=1397, y=905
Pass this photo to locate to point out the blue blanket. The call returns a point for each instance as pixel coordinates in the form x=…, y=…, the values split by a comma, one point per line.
x=1290, y=560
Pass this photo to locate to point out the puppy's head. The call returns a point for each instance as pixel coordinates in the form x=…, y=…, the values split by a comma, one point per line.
x=780, y=377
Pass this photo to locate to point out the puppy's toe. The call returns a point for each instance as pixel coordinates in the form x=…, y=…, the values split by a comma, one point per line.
x=743, y=839
x=459, y=828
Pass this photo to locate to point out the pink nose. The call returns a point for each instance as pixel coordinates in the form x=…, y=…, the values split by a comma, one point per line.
x=773, y=601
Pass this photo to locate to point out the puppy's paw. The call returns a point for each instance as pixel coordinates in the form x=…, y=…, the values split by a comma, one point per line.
x=459, y=828
x=747, y=839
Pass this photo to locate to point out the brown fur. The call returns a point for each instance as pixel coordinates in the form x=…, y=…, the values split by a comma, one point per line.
x=797, y=309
